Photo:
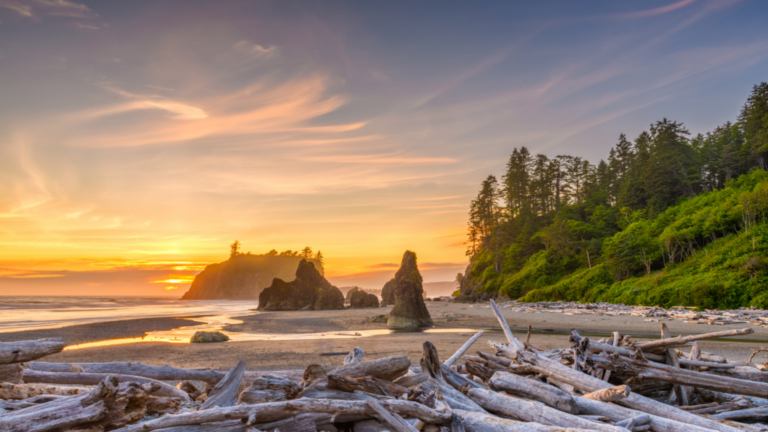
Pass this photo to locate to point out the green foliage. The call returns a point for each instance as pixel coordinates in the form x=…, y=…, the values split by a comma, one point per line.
x=667, y=220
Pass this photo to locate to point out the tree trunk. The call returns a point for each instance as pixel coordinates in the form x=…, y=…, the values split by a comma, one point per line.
x=479, y=422
x=460, y=352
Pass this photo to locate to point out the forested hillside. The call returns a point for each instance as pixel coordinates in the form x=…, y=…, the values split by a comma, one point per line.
x=668, y=219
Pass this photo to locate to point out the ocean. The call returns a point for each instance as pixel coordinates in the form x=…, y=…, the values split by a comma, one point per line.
x=19, y=313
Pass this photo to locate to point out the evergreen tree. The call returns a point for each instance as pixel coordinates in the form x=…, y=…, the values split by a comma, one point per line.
x=319, y=258
x=754, y=122
x=234, y=249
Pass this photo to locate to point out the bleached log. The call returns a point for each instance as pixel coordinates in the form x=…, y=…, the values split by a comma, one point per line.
x=74, y=378
x=479, y=422
x=616, y=414
x=588, y=383
x=531, y=411
x=660, y=372
x=479, y=370
x=460, y=352
x=412, y=380
x=744, y=414
x=454, y=398
x=392, y=419
x=251, y=397
x=683, y=340
x=536, y=390
x=722, y=398
x=225, y=392
x=165, y=373
x=316, y=393
x=513, y=341
x=456, y=380
x=274, y=411
x=354, y=356
x=672, y=360
x=23, y=351
x=388, y=368
x=110, y=404
x=505, y=362
x=11, y=373
x=592, y=346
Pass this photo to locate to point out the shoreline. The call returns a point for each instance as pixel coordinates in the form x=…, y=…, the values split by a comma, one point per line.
x=454, y=324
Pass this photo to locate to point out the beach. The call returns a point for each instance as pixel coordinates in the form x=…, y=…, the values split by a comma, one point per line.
x=293, y=339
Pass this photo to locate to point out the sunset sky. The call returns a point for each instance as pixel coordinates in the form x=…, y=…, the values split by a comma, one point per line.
x=138, y=139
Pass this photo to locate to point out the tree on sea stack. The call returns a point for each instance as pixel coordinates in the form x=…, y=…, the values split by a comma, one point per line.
x=409, y=310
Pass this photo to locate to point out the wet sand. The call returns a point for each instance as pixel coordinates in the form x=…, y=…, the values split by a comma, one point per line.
x=460, y=320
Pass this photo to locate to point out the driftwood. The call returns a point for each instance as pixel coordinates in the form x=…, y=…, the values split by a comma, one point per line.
x=354, y=356
x=531, y=411
x=33, y=376
x=278, y=410
x=672, y=360
x=536, y=390
x=225, y=392
x=460, y=352
x=430, y=361
x=26, y=391
x=190, y=389
x=166, y=373
x=683, y=340
x=367, y=384
x=759, y=413
x=110, y=405
x=412, y=380
x=11, y=373
x=479, y=422
x=388, y=368
x=17, y=352
x=611, y=394
x=659, y=372
x=391, y=418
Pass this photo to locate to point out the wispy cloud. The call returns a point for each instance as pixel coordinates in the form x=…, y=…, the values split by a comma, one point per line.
x=34, y=8
x=653, y=12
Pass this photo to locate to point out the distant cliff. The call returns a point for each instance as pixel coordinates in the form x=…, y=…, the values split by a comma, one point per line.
x=243, y=277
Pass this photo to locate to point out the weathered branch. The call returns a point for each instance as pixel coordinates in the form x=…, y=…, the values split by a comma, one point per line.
x=166, y=372
x=17, y=352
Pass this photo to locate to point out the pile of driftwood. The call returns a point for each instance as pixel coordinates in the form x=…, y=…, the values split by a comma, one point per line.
x=614, y=385
x=753, y=316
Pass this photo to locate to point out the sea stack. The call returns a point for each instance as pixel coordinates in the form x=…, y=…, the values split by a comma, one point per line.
x=410, y=310
x=359, y=299
x=388, y=292
x=309, y=291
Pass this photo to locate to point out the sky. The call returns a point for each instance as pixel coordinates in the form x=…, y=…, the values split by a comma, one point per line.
x=139, y=139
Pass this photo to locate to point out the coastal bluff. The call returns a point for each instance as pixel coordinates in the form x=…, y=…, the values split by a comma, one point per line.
x=244, y=276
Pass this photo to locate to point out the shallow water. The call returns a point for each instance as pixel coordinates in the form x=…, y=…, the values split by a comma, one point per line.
x=33, y=313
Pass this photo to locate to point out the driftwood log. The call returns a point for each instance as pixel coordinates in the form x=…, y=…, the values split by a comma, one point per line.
x=274, y=411
x=17, y=352
x=460, y=352
x=76, y=378
x=611, y=394
x=225, y=393
x=110, y=405
x=367, y=384
x=531, y=411
x=479, y=422
x=683, y=340
x=536, y=390
x=11, y=373
x=165, y=373
x=388, y=368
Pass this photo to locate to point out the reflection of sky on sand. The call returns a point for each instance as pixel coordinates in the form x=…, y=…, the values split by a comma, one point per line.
x=182, y=335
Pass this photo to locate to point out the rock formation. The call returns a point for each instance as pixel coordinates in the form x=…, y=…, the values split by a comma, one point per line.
x=310, y=290
x=208, y=337
x=410, y=310
x=359, y=299
x=388, y=292
x=242, y=277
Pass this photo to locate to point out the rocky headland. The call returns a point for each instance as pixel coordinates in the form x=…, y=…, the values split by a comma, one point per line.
x=243, y=276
